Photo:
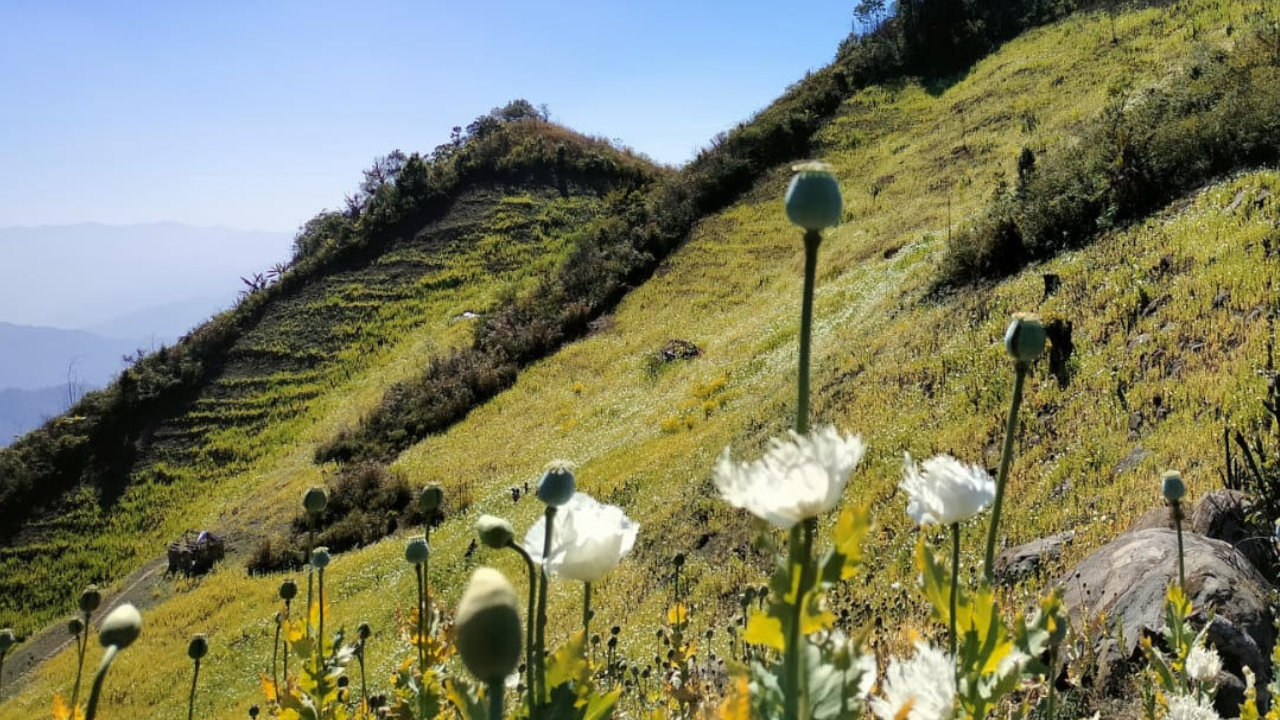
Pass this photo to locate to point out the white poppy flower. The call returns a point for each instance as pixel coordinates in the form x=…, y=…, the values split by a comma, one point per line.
x=945, y=491
x=1203, y=664
x=923, y=687
x=797, y=479
x=1186, y=707
x=588, y=539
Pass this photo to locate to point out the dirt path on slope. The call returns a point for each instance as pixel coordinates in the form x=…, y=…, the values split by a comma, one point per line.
x=138, y=588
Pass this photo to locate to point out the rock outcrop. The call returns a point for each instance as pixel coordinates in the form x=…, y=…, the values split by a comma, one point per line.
x=1126, y=581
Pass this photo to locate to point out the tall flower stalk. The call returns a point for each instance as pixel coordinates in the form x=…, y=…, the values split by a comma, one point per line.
x=196, y=650
x=319, y=561
x=288, y=591
x=498, y=534
x=362, y=634
x=1024, y=341
x=555, y=489
x=90, y=599
x=416, y=553
x=314, y=501
x=429, y=502
x=119, y=629
x=813, y=202
x=1174, y=489
x=944, y=491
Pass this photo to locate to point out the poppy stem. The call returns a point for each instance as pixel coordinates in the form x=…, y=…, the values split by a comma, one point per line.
x=1002, y=478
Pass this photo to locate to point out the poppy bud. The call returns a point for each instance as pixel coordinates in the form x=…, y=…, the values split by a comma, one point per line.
x=1024, y=340
x=198, y=647
x=557, y=484
x=417, y=551
x=90, y=599
x=813, y=199
x=431, y=499
x=315, y=500
x=495, y=531
x=320, y=558
x=488, y=626
x=121, y=627
x=1172, y=486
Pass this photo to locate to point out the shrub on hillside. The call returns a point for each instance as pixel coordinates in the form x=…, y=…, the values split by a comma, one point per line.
x=366, y=502
x=1221, y=116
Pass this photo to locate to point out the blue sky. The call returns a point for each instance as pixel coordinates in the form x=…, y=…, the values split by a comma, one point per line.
x=259, y=114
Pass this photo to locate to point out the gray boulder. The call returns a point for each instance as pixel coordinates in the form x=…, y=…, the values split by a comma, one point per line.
x=1019, y=563
x=1224, y=515
x=1127, y=579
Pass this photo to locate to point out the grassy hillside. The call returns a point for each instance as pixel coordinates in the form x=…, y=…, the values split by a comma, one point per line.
x=1170, y=329
x=312, y=359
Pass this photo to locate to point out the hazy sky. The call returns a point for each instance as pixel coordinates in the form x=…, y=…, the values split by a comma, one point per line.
x=258, y=114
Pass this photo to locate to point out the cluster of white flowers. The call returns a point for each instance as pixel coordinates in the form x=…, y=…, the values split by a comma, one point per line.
x=588, y=539
x=945, y=491
x=797, y=479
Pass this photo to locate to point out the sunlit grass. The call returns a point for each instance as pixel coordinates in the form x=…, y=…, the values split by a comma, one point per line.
x=907, y=372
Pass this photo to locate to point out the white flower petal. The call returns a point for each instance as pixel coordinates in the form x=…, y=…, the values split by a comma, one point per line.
x=944, y=490
x=926, y=681
x=1203, y=664
x=797, y=479
x=1186, y=707
x=588, y=539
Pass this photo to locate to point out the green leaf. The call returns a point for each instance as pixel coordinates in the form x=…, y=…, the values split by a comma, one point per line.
x=764, y=628
x=600, y=707
x=844, y=559
x=568, y=664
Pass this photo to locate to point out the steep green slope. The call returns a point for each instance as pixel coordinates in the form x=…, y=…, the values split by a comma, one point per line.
x=307, y=358
x=1171, y=329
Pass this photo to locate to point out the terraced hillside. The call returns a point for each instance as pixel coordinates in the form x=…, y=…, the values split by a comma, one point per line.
x=1173, y=324
x=315, y=358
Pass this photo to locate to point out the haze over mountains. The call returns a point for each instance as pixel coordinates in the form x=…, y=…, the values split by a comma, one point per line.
x=75, y=299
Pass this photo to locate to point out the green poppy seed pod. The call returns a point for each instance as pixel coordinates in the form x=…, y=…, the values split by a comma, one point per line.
x=314, y=500
x=813, y=199
x=1172, y=486
x=253, y=711
x=430, y=500
x=75, y=626
x=198, y=647
x=121, y=627
x=90, y=599
x=488, y=626
x=364, y=631
x=417, y=551
x=288, y=590
x=1024, y=340
x=557, y=484
x=7, y=640
x=495, y=532
x=320, y=558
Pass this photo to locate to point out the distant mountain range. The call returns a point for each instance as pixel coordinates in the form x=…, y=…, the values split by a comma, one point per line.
x=23, y=410
x=75, y=299
x=39, y=357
